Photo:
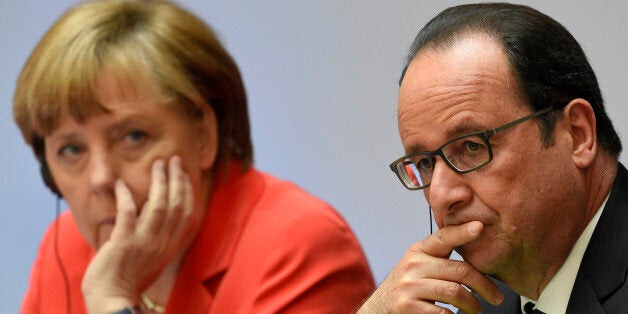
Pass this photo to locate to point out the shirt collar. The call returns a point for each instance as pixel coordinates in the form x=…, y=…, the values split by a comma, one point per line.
x=555, y=297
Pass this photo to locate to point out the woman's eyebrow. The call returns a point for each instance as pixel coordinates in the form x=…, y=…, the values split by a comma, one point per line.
x=127, y=121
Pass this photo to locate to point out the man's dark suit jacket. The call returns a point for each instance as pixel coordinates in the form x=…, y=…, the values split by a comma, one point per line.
x=600, y=285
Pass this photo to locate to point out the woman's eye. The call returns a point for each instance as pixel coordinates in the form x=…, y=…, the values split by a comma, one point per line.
x=70, y=150
x=134, y=138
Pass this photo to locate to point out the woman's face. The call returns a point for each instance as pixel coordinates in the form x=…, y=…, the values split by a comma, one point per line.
x=86, y=159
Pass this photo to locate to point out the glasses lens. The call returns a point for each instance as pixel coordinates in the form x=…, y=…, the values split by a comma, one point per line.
x=415, y=171
x=464, y=154
x=467, y=153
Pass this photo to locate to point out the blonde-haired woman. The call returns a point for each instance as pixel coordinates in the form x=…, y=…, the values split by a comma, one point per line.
x=138, y=117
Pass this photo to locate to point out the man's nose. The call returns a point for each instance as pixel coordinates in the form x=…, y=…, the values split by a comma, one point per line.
x=102, y=173
x=448, y=189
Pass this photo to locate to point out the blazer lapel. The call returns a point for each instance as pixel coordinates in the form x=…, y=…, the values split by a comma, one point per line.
x=210, y=256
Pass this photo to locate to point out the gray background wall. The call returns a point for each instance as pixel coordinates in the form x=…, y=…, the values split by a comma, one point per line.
x=322, y=82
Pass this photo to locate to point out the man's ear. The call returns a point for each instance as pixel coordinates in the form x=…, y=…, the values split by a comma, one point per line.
x=581, y=119
x=207, y=140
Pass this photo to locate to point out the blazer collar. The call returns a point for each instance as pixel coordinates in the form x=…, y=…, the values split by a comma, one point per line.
x=227, y=214
x=230, y=205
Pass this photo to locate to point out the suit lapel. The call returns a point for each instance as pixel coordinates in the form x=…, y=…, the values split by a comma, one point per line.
x=600, y=285
x=602, y=273
x=583, y=298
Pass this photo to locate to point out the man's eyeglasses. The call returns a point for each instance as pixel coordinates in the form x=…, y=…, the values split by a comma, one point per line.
x=463, y=154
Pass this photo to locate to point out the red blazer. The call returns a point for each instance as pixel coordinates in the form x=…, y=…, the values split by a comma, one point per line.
x=265, y=246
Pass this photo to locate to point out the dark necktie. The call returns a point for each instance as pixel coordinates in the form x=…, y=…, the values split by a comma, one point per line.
x=529, y=309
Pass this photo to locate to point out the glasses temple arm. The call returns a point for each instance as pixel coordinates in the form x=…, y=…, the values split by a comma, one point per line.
x=520, y=120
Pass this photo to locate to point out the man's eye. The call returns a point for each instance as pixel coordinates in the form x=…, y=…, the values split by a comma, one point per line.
x=424, y=163
x=472, y=146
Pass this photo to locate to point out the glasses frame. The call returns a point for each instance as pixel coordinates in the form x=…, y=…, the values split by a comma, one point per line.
x=484, y=135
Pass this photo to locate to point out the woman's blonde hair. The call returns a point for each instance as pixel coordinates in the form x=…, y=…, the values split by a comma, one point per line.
x=145, y=43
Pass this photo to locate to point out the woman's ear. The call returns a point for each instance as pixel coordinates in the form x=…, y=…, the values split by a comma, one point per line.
x=207, y=137
x=581, y=119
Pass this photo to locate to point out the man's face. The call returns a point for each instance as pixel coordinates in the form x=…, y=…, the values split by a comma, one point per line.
x=526, y=192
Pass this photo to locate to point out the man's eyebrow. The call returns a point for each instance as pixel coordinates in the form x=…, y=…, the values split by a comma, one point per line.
x=462, y=128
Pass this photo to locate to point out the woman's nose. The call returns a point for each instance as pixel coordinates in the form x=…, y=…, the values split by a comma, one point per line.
x=102, y=173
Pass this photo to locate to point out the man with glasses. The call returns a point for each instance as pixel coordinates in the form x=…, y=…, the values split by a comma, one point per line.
x=505, y=133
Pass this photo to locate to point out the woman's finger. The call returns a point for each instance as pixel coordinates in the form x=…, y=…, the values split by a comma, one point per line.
x=126, y=211
x=155, y=210
x=176, y=195
x=191, y=217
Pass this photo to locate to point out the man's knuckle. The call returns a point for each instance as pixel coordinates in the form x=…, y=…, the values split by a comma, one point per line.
x=452, y=290
x=411, y=263
x=406, y=281
x=440, y=236
x=402, y=304
x=462, y=270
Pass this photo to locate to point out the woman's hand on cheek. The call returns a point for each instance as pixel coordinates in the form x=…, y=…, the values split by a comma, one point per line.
x=142, y=243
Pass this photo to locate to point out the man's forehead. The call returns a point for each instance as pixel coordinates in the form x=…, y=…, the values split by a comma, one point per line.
x=442, y=113
x=453, y=91
x=470, y=52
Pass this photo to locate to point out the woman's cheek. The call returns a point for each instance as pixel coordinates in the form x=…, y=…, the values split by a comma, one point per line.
x=87, y=225
x=103, y=234
x=138, y=180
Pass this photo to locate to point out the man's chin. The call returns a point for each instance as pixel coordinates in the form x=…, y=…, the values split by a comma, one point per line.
x=483, y=259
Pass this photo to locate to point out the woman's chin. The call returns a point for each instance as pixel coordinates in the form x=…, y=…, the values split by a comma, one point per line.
x=103, y=235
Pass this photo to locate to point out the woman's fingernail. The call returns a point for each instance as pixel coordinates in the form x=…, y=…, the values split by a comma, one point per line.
x=158, y=165
x=120, y=184
x=176, y=160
